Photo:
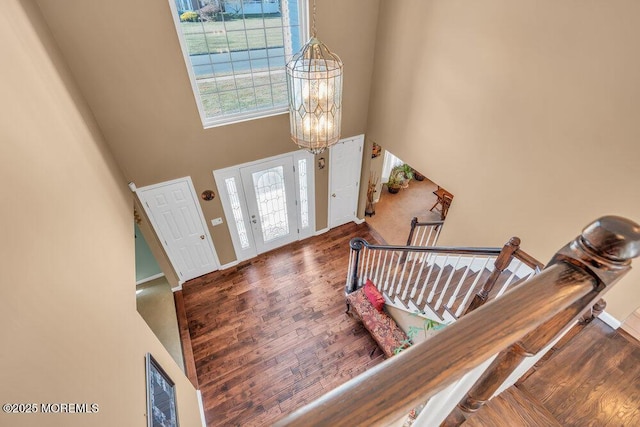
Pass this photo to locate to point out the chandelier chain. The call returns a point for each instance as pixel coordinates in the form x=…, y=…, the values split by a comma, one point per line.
x=313, y=20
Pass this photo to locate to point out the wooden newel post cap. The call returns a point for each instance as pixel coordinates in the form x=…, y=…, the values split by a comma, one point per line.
x=605, y=248
x=613, y=237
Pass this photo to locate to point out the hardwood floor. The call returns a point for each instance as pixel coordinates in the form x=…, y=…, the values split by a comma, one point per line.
x=395, y=211
x=271, y=334
x=593, y=380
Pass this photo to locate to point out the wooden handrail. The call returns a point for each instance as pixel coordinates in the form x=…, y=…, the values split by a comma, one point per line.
x=357, y=243
x=573, y=281
x=602, y=250
x=415, y=223
x=528, y=259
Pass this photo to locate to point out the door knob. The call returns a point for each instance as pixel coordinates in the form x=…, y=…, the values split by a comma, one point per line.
x=202, y=236
x=333, y=195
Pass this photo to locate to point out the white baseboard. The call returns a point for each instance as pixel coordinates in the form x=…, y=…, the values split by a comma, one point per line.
x=179, y=287
x=358, y=220
x=201, y=406
x=609, y=320
x=229, y=265
x=319, y=232
x=150, y=278
x=632, y=325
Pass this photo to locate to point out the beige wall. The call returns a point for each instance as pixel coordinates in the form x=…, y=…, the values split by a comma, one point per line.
x=70, y=330
x=527, y=111
x=129, y=66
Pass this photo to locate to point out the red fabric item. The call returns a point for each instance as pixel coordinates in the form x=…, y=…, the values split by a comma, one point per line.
x=373, y=295
x=383, y=329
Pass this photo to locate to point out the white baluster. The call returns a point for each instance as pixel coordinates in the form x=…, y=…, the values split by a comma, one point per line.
x=370, y=263
x=471, y=290
x=386, y=266
x=395, y=274
x=376, y=276
x=417, y=281
x=460, y=283
x=431, y=260
x=410, y=276
x=404, y=269
x=447, y=283
x=428, y=239
x=421, y=240
x=509, y=280
x=435, y=238
x=352, y=255
x=435, y=284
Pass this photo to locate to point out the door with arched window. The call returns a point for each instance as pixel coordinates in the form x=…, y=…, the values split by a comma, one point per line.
x=270, y=192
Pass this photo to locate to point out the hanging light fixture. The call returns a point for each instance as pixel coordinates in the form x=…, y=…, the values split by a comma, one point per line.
x=314, y=79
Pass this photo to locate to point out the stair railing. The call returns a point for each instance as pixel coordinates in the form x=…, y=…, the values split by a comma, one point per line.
x=424, y=233
x=437, y=281
x=524, y=320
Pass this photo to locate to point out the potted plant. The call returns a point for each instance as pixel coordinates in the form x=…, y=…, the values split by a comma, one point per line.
x=397, y=179
x=407, y=171
x=417, y=175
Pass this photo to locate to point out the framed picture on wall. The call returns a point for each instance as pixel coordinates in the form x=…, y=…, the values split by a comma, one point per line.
x=161, y=396
x=376, y=150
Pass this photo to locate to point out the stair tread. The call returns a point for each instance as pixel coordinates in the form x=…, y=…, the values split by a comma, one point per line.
x=412, y=273
x=513, y=407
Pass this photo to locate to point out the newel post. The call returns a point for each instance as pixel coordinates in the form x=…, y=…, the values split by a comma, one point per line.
x=604, y=251
x=356, y=244
x=414, y=222
x=502, y=262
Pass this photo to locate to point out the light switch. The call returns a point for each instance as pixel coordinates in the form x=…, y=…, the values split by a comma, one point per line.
x=216, y=221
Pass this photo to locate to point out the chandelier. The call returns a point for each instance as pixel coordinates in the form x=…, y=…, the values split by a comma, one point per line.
x=314, y=79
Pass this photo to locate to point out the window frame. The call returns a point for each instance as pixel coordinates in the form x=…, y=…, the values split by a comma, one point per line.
x=242, y=116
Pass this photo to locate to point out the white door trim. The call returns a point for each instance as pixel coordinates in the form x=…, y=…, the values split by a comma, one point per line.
x=140, y=193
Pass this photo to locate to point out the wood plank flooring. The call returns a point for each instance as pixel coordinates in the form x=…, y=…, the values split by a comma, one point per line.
x=271, y=334
x=593, y=380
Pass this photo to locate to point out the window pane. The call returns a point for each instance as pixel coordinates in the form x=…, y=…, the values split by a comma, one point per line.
x=237, y=212
x=272, y=202
x=248, y=39
x=304, y=197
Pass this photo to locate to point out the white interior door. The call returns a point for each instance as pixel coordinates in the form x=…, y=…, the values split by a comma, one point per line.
x=271, y=202
x=345, y=163
x=175, y=214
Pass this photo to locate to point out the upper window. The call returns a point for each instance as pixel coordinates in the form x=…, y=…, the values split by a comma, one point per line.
x=236, y=52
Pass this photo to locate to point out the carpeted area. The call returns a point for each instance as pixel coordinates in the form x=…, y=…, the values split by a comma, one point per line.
x=155, y=304
x=393, y=212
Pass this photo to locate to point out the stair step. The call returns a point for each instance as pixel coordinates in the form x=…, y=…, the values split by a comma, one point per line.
x=443, y=313
x=428, y=312
x=513, y=407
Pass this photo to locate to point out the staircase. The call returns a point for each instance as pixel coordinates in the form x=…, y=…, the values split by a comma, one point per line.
x=439, y=283
x=482, y=354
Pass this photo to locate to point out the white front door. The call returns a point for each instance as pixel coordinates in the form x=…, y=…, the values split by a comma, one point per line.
x=268, y=203
x=271, y=202
x=345, y=162
x=175, y=214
